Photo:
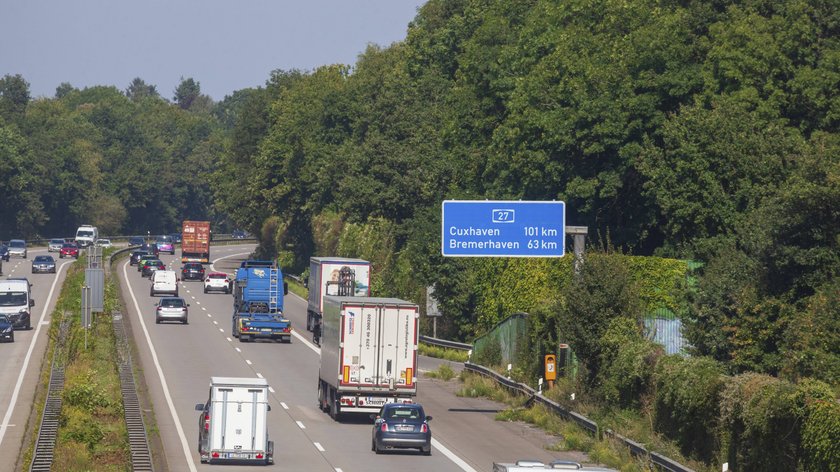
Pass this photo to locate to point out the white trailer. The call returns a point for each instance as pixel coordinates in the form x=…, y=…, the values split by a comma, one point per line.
x=339, y=276
x=368, y=354
x=233, y=425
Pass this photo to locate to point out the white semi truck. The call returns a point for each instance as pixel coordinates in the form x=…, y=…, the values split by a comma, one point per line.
x=368, y=354
x=340, y=276
x=233, y=424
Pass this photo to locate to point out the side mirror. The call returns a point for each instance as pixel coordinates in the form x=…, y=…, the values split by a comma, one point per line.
x=306, y=281
x=199, y=407
x=374, y=416
x=269, y=407
x=428, y=418
x=188, y=304
x=285, y=288
x=31, y=303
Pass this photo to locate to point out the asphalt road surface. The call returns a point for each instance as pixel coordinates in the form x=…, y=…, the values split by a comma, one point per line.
x=178, y=361
x=21, y=361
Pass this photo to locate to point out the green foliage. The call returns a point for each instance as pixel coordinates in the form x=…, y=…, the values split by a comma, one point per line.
x=83, y=391
x=761, y=428
x=444, y=372
x=819, y=435
x=686, y=403
x=455, y=355
x=602, y=292
x=812, y=347
x=77, y=426
x=627, y=363
x=489, y=355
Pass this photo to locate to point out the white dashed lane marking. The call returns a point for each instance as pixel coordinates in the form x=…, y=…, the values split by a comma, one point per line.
x=320, y=447
x=283, y=404
x=300, y=424
x=270, y=389
x=248, y=362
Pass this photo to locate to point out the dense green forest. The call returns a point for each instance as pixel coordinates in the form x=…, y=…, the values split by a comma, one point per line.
x=704, y=130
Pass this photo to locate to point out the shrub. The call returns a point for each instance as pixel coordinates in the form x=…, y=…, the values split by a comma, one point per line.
x=687, y=401
x=627, y=362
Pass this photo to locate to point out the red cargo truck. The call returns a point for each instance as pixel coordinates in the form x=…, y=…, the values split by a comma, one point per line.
x=195, y=242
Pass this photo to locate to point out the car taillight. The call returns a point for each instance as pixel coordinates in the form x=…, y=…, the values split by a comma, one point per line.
x=206, y=422
x=384, y=427
x=424, y=428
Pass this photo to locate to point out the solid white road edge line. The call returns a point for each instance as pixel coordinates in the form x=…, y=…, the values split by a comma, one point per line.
x=435, y=443
x=166, y=393
x=451, y=456
x=5, y=425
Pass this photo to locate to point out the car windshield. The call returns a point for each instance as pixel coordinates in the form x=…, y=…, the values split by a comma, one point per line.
x=57, y=241
x=12, y=298
x=172, y=303
x=69, y=245
x=164, y=239
x=4, y=319
x=43, y=259
x=84, y=234
x=404, y=412
x=17, y=244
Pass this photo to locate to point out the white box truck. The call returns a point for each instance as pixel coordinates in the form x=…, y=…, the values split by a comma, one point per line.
x=368, y=354
x=339, y=276
x=233, y=424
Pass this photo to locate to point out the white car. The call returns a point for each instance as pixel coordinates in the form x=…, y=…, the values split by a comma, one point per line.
x=164, y=281
x=103, y=243
x=55, y=245
x=217, y=282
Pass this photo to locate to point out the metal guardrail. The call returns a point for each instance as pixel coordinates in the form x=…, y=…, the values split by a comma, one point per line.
x=635, y=448
x=444, y=343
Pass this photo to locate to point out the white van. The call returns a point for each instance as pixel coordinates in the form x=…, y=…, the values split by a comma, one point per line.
x=164, y=281
x=16, y=302
x=86, y=235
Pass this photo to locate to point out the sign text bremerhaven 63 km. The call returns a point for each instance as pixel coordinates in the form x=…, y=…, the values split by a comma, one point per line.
x=484, y=228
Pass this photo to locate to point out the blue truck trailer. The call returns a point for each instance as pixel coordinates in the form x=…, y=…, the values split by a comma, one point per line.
x=258, y=303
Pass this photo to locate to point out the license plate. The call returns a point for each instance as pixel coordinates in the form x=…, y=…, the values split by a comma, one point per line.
x=375, y=401
x=401, y=427
x=233, y=455
x=266, y=330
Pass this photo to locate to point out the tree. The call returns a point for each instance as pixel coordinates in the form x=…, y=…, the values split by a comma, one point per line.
x=602, y=292
x=186, y=92
x=14, y=97
x=139, y=89
x=63, y=90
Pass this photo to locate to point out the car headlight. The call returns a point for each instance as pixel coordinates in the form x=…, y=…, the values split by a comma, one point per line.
x=23, y=312
x=7, y=329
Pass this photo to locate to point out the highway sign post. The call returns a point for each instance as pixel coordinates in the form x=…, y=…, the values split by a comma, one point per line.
x=501, y=228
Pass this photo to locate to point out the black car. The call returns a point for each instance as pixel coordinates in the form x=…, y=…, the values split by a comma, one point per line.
x=137, y=255
x=4, y=252
x=401, y=425
x=151, y=248
x=150, y=266
x=7, y=331
x=239, y=234
x=192, y=271
x=136, y=241
x=43, y=264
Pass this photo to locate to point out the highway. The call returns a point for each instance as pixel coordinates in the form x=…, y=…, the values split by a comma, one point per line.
x=178, y=361
x=20, y=368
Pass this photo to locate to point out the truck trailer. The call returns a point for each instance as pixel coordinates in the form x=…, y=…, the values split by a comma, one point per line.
x=258, y=302
x=195, y=242
x=368, y=354
x=233, y=424
x=339, y=276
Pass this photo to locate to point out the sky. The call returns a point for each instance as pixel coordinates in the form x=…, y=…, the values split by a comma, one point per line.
x=225, y=45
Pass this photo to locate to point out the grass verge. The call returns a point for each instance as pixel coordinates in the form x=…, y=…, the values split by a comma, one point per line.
x=572, y=437
x=297, y=288
x=92, y=434
x=455, y=355
x=444, y=372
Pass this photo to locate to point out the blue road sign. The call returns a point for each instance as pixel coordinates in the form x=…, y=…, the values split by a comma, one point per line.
x=503, y=228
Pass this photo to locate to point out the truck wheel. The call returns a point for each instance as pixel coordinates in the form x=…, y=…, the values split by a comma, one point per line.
x=322, y=404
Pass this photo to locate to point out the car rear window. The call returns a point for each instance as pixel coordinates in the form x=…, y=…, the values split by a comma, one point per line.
x=217, y=276
x=17, y=244
x=404, y=412
x=172, y=303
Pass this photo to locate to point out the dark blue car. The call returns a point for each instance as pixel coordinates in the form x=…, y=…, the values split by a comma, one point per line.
x=402, y=425
x=7, y=331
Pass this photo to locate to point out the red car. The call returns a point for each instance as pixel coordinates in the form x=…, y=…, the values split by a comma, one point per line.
x=69, y=249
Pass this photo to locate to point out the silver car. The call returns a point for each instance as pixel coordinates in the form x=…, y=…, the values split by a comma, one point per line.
x=17, y=247
x=55, y=245
x=172, y=309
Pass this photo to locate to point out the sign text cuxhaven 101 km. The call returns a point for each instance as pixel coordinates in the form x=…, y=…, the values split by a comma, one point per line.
x=484, y=228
